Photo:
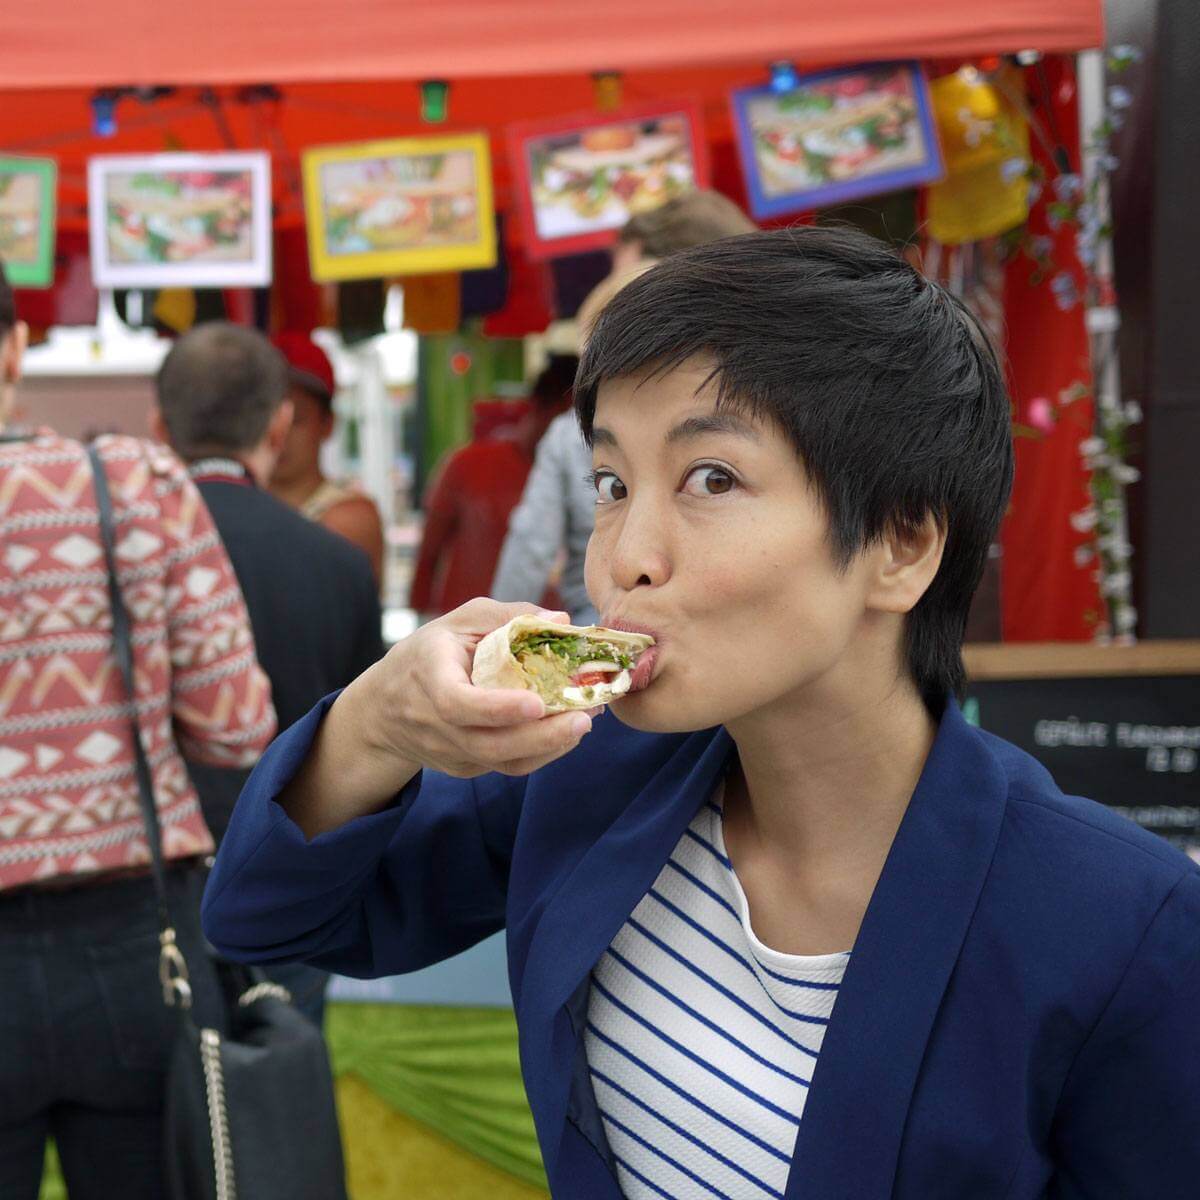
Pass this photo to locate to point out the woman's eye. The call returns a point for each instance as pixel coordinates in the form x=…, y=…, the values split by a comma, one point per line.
x=709, y=481
x=608, y=487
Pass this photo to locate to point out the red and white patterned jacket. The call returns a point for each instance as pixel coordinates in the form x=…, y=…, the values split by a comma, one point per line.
x=68, y=792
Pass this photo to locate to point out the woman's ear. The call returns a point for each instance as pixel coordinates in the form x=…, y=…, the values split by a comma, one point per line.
x=907, y=561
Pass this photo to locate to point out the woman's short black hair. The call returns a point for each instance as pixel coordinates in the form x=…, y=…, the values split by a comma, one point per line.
x=884, y=383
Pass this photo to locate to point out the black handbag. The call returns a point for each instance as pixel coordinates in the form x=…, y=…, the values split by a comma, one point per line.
x=249, y=1113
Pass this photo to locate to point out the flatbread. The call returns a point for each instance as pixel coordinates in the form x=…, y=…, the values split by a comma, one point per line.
x=496, y=666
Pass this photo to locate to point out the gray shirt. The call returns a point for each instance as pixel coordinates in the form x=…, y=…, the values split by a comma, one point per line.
x=556, y=511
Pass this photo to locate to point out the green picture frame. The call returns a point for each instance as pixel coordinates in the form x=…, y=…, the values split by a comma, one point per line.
x=28, y=219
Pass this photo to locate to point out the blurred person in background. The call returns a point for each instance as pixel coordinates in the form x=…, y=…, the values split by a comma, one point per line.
x=468, y=505
x=311, y=595
x=553, y=521
x=297, y=478
x=84, y=1033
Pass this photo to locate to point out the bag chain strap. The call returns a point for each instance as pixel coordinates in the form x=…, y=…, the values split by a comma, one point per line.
x=172, y=966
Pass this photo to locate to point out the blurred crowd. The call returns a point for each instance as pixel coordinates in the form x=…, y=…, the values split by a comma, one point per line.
x=252, y=582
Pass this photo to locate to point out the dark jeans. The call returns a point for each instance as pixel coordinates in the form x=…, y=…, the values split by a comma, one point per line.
x=85, y=1036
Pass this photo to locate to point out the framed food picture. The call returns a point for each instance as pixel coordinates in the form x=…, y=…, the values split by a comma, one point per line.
x=27, y=216
x=409, y=206
x=836, y=136
x=180, y=220
x=579, y=181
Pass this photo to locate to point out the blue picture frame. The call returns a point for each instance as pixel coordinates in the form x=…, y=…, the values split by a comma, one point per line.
x=766, y=201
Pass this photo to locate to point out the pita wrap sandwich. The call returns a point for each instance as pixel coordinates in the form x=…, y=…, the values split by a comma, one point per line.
x=569, y=666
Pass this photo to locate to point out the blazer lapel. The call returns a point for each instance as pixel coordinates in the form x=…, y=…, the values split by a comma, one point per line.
x=849, y=1139
x=591, y=907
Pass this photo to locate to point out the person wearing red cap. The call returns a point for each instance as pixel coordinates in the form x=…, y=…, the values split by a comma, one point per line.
x=298, y=479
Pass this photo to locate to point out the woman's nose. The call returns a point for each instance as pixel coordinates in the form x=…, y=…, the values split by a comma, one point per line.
x=639, y=553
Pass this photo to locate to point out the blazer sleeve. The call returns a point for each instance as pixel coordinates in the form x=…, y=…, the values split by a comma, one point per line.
x=1129, y=1116
x=385, y=894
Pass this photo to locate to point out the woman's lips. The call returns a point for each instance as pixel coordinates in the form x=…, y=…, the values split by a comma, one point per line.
x=644, y=668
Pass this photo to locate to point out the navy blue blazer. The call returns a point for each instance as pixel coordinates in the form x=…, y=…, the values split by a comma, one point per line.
x=1020, y=1017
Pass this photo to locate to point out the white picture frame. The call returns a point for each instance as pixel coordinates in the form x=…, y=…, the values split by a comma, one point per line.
x=180, y=220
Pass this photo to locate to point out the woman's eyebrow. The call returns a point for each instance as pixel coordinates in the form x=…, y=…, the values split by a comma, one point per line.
x=693, y=427
x=718, y=422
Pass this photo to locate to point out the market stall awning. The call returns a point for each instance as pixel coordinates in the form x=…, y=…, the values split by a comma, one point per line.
x=62, y=43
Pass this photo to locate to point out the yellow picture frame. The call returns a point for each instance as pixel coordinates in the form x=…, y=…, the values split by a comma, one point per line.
x=401, y=206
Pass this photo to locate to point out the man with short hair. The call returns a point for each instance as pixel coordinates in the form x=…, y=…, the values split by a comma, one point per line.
x=311, y=594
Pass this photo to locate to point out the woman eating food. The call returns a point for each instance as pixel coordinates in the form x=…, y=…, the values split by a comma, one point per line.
x=568, y=666
x=780, y=922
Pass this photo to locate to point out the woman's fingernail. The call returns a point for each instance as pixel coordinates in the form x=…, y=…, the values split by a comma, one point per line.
x=580, y=725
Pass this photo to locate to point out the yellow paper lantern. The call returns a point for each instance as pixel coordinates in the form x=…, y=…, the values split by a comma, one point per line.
x=985, y=145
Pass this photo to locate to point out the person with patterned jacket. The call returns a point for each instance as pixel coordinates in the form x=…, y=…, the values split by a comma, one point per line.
x=84, y=1033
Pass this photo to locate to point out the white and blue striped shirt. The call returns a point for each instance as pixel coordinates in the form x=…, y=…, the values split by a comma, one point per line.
x=701, y=1041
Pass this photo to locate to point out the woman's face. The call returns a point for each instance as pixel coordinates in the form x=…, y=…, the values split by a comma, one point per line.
x=709, y=536
x=311, y=424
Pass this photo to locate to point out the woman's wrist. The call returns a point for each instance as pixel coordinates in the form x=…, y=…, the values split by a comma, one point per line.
x=350, y=770
x=376, y=766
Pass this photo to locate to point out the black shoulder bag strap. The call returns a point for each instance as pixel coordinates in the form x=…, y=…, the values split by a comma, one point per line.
x=172, y=969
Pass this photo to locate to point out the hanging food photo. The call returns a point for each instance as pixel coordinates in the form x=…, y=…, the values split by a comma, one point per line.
x=839, y=135
x=180, y=220
x=582, y=179
x=27, y=212
x=407, y=206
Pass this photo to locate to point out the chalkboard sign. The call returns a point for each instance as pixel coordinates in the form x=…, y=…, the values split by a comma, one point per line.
x=1129, y=740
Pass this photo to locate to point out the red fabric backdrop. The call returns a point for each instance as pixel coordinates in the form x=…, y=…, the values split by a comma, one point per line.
x=1045, y=596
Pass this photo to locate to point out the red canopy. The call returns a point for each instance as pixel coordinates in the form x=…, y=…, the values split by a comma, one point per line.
x=349, y=71
x=63, y=43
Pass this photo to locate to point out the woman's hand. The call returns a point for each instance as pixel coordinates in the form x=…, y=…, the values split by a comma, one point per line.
x=417, y=708
x=420, y=706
